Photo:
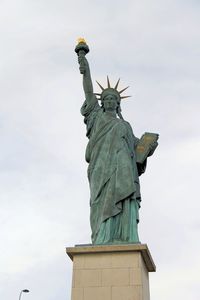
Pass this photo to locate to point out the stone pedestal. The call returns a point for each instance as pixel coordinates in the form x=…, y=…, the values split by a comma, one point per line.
x=111, y=272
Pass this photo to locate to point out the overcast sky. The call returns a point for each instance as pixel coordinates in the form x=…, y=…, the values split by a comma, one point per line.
x=154, y=47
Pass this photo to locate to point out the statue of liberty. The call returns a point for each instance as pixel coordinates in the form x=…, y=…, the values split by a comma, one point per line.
x=116, y=159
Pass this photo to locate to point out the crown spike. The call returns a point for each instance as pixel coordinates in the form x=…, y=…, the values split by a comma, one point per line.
x=123, y=90
x=100, y=85
x=116, y=86
x=123, y=97
x=108, y=82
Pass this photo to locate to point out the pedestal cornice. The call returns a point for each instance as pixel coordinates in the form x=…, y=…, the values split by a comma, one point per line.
x=89, y=249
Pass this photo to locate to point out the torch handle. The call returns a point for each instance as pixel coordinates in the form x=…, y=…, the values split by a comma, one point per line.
x=81, y=54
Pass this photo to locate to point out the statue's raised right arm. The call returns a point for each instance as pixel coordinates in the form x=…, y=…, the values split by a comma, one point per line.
x=87, y=80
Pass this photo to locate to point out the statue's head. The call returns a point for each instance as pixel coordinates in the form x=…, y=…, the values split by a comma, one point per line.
x=110, y=97
x=110, y=92
x=110, y=103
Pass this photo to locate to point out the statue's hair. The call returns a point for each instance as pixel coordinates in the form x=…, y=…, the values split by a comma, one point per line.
x=119, y=112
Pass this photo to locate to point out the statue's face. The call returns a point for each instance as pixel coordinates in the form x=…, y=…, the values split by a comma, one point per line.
x=110, y=103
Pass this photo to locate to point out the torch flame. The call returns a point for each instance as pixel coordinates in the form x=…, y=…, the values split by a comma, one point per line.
x=81, y=40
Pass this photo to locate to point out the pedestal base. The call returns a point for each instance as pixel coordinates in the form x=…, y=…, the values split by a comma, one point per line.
x=114, y=272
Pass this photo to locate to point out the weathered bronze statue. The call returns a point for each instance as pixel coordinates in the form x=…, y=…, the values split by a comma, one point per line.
x=116, y=159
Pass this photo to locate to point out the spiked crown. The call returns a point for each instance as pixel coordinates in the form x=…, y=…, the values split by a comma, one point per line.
x=109, y=90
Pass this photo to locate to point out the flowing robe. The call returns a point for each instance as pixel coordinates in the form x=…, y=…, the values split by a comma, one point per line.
x=113, y=176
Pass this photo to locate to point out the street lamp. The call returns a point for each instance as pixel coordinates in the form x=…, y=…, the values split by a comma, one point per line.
x=23, y=291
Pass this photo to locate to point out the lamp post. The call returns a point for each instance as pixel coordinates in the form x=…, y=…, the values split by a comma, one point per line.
x=23, y=291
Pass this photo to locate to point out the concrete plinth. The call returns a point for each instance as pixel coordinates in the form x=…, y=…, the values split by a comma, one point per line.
x=114, y=272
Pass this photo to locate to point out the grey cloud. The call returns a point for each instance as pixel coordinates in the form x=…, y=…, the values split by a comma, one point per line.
x=153, y=47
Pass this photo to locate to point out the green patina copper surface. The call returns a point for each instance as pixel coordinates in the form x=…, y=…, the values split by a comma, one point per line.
x=113, y=170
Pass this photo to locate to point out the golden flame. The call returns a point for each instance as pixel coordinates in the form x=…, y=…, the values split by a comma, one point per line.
x=81, y=40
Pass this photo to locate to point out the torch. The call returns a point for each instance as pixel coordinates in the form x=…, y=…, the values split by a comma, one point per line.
x=81, y=49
